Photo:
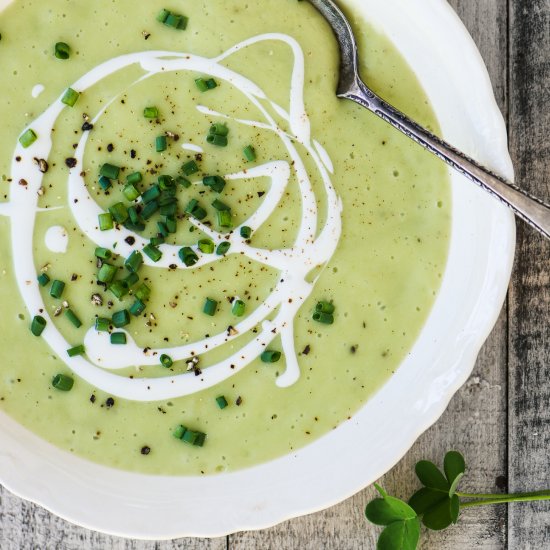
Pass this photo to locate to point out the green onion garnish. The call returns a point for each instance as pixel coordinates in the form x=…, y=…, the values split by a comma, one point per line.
x=171, y=224
x=103, y=253
x=324, y=318
x=184, y=182
x=62, y=50
x=134, y=215
x=179, y=431
x=121, y=318
x=71, y=315
x=131, y=280
x=57, y=289
x=169, y=210
x=149, y=210
x=62, y=382
x=211, y=83
x=105, y=221
x=188, y=256
x=102, y=324
x=109, y=171
x=137, y=308
x=152, y=252
x=219, y=141
x=270, y=356
x=130, y=192
x=70, y=97
x=238, y=308
x=222, y=402
x=190, y=436
x=163, y=230
x=195, y=209
x=134, y=261
x=219, y=129
x=246, y=232
x=118, y=289
x=165, y=182
x=324, y=307
x=38, y=325
x=166, y=361
x=43, y=279
x=223, y=248
x=157, y=241
x=249, y=153
x=206, y=246
x=77, y=350
x=162, y=15
x=224, y=218
x=134, y=178
x=160, y=144
x=176, y=21
x=216, y=183
x=28, y=138
x=118, y=338
x=119, y=212
x=106, y=273
x=150, y=112
x=210, y=307
x=201, y=84
x=190, y=168
x=143, y=292
x=151, y=194
x=219, y=205
x=104, y=183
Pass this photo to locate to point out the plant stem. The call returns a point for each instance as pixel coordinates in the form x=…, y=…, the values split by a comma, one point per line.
x=502, y=498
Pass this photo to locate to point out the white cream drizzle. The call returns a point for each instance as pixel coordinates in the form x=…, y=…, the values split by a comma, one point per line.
x=37, y=90
x=56, y=239
x=312, y=248
x=192, y=147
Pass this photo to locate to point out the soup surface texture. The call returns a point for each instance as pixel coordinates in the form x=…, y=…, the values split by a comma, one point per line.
x=265, y=197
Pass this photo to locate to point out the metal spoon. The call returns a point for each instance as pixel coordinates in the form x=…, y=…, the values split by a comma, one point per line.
x=530, y=209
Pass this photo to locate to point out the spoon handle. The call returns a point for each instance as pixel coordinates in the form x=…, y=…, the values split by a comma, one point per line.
x=530, y=209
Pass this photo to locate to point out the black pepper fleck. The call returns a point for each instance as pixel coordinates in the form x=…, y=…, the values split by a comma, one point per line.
x=145, y=450
x=87, y=126
x=70, y=162
x=109, y=402
x=130, y=240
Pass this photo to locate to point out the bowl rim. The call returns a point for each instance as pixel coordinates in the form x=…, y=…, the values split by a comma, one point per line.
x=148, y=509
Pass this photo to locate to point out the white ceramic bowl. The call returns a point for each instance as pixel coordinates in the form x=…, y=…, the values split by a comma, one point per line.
x=439, y=49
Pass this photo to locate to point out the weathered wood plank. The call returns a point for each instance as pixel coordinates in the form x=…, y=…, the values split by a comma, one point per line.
x=474, y=423
x=529, y=337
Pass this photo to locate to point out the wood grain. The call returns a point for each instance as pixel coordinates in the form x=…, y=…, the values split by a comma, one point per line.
x=529, y=383
x=499, y=419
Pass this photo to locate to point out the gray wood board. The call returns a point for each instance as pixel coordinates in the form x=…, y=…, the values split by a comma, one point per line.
x=498, y=419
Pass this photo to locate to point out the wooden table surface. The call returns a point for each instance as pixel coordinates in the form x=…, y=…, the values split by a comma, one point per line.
x=500, y=419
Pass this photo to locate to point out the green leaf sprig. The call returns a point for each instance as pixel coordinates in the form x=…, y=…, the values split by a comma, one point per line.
x=437, y=505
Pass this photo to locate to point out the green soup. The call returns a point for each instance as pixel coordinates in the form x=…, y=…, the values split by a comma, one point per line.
x=321, y=204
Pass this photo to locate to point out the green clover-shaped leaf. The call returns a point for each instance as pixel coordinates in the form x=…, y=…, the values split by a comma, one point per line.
x=430, y=476
x=400, y=535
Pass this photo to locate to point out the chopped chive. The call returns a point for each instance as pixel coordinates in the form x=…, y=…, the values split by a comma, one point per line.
x=201, y=84
x=211, y=83
x=195, y=209
x=221, y=401
x=219, y=129
x=176, y=21
x=105, y=221
x=206, y=246
x=106, y=273
x=151, y=194
x=165, y=182
x=216, y=183
x=184, y=182
x=246, y=232
x=190, y=436
x=163, y=230
x=224, y=218
x=27, y=138
x=134, y=261
x=150, y=112
x=149, y=210
x=62, y=382
x=160, y=144
x=324, y=307
x=118, y=338
x=134, y=178
x=324, y=318
x=109, y=171
x=103, y=253
x=238, y=308
x=188, y=256
x=219, y=205
x=43, y=279
x=249, y=153
x=162, y=15
x=118, y=289
x=270, y=356
x=102, y=324
x=166, y=361
x=200, y=439
x=77, y=350
x=119, y=212
x=133, y=215
x=130, y=192
x=169, y=210
x=38, y=325
x=121, y=318
x=57, y=289
x=223, y=248
x=70, y=97
x=210, y=307
x=104, y=183
x=152, y=252
x=171, y=224
x=131, y=280
x=71, y=315
x=179, y=431
x=191, y=205
x=143, y=292
x=219, y=141
x=62, y=50
x=137, y=308
x=157, y=241
x=190, y=168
